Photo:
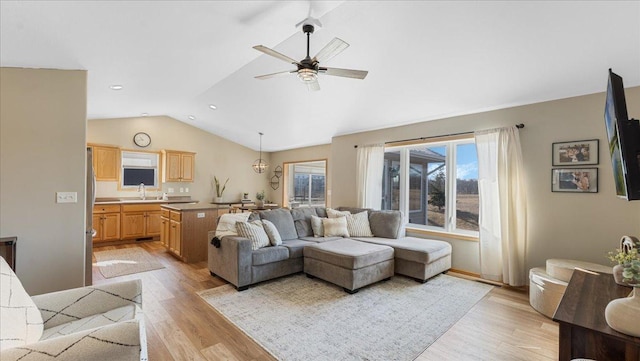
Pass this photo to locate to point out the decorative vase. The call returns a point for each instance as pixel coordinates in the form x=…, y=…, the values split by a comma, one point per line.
x=623, y=314
x=259, y=204
x=217, y=199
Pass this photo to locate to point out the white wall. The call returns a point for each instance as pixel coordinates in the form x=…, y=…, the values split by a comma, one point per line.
x=42, y=151
x=215, y=156
x=560, y=225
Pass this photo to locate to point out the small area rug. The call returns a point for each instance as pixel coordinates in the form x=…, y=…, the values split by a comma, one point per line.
x=124, y=261
x=297, y=318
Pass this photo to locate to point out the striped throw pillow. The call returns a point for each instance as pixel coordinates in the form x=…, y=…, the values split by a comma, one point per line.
x=272, y=232
x=253, y=231
x=316, y=225
x=358, y=225
x=335, y=227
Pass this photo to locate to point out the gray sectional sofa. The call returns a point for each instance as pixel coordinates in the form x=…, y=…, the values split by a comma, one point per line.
x=233, y=259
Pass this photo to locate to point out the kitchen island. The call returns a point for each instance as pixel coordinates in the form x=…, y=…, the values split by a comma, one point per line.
x=184, y=228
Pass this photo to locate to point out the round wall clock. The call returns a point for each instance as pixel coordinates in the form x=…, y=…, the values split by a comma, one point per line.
x=142, y=139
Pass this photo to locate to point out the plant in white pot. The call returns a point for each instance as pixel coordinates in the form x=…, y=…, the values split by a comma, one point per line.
x=260, y=199
x=219, y=190
x=627, y=252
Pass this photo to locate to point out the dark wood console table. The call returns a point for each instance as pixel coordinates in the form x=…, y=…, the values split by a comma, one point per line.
x=583, y=329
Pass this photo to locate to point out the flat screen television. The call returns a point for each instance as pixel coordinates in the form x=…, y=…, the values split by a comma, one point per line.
x=623, y=140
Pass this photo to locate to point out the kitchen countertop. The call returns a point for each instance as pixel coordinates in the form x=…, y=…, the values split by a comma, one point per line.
x=192, y=207
x=141, y=201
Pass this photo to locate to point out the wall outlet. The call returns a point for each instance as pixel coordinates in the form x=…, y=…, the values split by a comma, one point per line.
x=66, y=197
x=186, y=189
x=201, y=215
x=171, y=190
x=181, y=190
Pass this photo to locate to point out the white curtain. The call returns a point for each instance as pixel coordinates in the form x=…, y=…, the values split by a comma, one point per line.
x=370, y=163
x=503, y=206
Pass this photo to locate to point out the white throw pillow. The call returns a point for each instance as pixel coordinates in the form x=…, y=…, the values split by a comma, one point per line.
x=272, y=232
x=332, y=213
x=335, y=227
x=316, y=226
x=255, y=232
x=227, y=223
x=21, y=321
x=358, y=225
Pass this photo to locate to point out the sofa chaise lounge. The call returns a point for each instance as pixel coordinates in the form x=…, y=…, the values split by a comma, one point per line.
x=233, y=259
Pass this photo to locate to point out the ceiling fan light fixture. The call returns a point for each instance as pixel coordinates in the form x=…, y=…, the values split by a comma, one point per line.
x=307, y=75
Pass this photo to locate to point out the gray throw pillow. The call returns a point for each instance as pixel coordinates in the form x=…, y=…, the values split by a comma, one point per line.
x=302, y=220
x=283, y=221
x=386, y=224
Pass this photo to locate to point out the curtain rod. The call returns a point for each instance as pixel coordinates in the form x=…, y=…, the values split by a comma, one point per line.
x=519, y=126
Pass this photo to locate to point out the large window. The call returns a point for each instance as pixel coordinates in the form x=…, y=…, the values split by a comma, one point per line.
x=435, y=185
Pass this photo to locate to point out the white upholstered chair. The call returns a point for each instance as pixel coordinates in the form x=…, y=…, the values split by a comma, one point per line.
x=88, y=323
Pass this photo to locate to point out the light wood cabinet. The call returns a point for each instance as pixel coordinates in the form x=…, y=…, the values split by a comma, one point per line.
x=165, y=225
x=185, y=232
x=141, y=221
x=106, y=223
x=106, y=162
x=178, y=166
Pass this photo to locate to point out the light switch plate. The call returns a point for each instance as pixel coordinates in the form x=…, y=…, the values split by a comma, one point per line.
x=66, y=197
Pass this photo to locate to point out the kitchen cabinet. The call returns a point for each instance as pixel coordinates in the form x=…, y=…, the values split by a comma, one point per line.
x=106, y=162
x=141, y=221
x=178, y=166
x=106, y=223
x=165, y=225
x=186, y=228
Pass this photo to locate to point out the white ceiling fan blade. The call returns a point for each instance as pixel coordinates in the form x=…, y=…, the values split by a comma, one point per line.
x=313, y=85
x=345, y=73
x=275, y=54
x=335, y=47
x=274, y=75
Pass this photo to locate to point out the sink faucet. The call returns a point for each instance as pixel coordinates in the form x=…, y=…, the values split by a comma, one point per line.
x=143, y=193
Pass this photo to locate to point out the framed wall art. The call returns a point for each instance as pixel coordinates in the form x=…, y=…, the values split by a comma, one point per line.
x=574, y=180
x=579, y=152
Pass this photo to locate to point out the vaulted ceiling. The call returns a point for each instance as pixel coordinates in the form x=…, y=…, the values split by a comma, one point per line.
x=426, y=60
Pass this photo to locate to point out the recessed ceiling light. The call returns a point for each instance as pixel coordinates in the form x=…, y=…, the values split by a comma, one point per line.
x=116, y=87
x=191, y=117
x=144, y=114
x=213, y=106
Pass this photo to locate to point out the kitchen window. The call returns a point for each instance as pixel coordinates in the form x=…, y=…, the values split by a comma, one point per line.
x=434, y=184
x=139, y=167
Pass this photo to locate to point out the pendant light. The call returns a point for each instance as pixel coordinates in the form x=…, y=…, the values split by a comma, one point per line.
x=260, y=166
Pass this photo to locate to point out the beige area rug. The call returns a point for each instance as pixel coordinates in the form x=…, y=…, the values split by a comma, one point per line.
x=120, y=262
x=297, y=318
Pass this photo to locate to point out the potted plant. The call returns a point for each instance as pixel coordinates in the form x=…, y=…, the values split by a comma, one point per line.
x=624, y=258
x=219, y=190
x=260, y=199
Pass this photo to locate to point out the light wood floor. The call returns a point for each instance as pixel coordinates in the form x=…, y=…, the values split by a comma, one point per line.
x=181, y=326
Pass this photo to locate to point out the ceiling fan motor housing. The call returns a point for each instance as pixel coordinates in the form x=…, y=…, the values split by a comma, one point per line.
x=307, y=28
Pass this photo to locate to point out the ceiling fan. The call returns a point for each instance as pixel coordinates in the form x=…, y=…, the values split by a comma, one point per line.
x=309, y=68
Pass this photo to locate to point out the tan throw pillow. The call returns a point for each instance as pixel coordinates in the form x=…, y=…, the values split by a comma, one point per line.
x=253, y=231
x=272, y=232
x=335, y=227
x=358, y=225
x=332, y=213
